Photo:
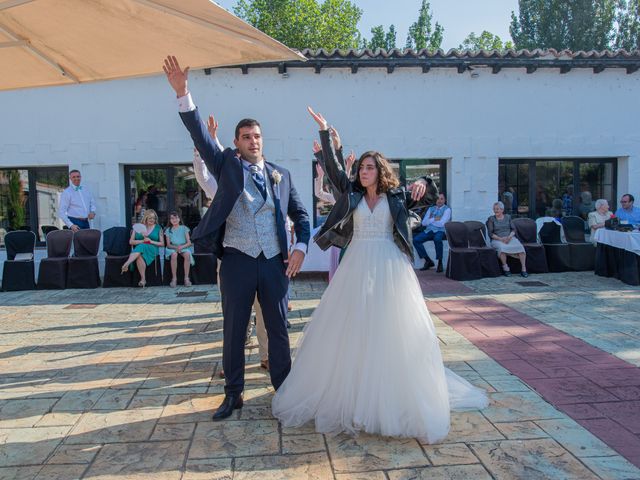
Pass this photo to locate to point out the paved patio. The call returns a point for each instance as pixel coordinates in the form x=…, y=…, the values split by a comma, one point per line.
x=121, y=383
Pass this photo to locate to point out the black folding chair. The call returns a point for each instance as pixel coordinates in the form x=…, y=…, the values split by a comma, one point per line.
x=115, y=242
x=526, y=232
x=583, y=253
x=463, y=262
x=18, y=272
x=83, y=265
x=489, y=262
x=45, y=229
x=206, y=267
x=53, y=269
x=557, y=253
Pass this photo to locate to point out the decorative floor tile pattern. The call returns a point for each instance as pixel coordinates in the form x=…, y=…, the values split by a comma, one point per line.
x=125, y=390
x=595, y=388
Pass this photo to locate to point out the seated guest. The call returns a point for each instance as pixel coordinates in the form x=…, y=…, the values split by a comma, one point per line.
x=627, y=212
x=178, y=243
x=502, y=234
x=435, y=218
x=597, y=218
x=586, y=204
x=556, y=209
x=145, y=245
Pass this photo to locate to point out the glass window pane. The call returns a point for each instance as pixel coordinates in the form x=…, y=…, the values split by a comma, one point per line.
x=554, y=194
x=50, y=182
x=148, y=190
x=513, y=188
x=188, y=198
x=14, y=201
x=431, y=170
x=596, y=181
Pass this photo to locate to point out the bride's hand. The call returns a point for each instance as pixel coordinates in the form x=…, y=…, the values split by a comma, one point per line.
x=417, y=189
x=319, y=171
x=316, y=146
x=349, y=161
x=322, y=123
x=335, y=137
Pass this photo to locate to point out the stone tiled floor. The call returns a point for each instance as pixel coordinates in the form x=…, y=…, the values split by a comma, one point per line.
x=123, y=388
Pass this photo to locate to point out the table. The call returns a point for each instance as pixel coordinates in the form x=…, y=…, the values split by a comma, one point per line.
x=618, y=255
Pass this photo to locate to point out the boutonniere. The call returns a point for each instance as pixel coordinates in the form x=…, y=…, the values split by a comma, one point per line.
x=276, y=176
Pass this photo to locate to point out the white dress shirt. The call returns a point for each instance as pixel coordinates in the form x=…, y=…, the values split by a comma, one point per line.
x=185, y=104
x=77, y=203
x=429, y=219
x=203, y=176
x=320, y=193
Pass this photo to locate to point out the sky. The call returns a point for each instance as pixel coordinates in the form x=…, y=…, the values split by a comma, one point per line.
x=458, y=17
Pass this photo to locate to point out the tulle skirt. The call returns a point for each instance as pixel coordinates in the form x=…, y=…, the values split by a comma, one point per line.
x=369, y=359
x=334, y=260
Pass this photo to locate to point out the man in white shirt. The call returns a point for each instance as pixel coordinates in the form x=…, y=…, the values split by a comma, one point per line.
x=77, y=206
x=435, y=218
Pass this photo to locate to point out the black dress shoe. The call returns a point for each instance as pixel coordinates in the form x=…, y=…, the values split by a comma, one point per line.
x=439, y=269
x=524, y=274
x=506, y=273
x=230, y=403
x=427, y=264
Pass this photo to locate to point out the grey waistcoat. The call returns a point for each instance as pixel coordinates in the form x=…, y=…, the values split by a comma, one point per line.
x=251, y=225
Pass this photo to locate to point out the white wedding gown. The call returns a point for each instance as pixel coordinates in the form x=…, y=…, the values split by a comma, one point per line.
x=369, y=359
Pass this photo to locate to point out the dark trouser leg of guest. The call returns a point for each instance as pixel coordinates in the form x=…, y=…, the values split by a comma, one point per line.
x=238, y=281
x=272, y=295
x=437, y=241
x=81, y=223
x=418, y=242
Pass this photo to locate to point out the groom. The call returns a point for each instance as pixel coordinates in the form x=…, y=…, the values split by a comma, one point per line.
x=247, y=220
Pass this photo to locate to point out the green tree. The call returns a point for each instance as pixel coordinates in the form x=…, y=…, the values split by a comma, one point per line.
x=382, y=39
x=390, y=38
x=17, y=200
x=305, y=23
x=422, y=34
x=485, y=41
x=571, y=24
x=628, y=21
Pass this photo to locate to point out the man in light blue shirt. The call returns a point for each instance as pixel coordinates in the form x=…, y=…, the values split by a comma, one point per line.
x=435, y=218
x=76, y=204
x=627, y=212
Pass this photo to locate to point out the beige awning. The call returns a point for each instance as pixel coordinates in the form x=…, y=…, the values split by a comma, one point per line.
x=61, y=42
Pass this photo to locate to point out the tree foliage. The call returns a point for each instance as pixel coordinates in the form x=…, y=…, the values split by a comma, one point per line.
x=305, y=23
x=628, y=23
x=422, y=34
x=485, y=41
x=382, y=39
x=564, y=24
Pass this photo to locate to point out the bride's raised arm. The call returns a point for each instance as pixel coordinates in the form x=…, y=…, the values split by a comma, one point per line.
x=337, y=176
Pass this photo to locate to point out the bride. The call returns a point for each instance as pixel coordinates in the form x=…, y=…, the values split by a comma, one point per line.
x=369, y=359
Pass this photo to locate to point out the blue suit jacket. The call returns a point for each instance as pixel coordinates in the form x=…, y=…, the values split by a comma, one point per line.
x=226, y=167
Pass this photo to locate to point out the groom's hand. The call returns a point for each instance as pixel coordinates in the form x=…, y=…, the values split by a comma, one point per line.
x=294, y=263
x=176, y=76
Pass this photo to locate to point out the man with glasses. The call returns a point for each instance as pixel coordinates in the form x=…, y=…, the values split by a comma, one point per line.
x=627, y=212
x=77, y=206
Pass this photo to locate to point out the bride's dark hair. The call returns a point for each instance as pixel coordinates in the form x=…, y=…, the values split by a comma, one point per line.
x=387, y=178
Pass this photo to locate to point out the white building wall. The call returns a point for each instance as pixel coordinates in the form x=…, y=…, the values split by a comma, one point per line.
x=471, y=122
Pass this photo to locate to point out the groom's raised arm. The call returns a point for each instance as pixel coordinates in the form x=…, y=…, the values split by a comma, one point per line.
x=208, y=149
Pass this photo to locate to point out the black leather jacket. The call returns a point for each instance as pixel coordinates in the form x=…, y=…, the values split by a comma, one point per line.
x=337, y=230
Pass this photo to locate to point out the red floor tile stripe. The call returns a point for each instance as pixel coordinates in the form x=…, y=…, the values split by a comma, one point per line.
x=598, y=390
